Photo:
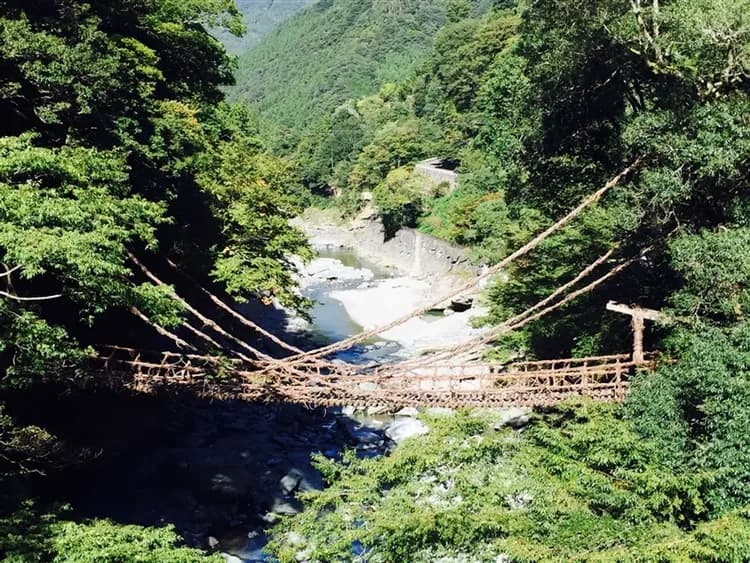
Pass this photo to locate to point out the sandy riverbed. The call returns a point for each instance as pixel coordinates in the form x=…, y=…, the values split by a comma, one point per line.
x=377, y=302
x=390, y=299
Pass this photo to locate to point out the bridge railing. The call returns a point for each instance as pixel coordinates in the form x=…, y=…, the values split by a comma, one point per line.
x=533, y=383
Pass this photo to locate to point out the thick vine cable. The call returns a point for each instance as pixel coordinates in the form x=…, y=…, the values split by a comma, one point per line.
x=525, y=249
x=208, y=322
x=445, y=353
x=242, y=319
x=522, y=320
x=294, y=365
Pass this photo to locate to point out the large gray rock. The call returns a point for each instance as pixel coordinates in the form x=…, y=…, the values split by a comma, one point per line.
x=406, y=428
x=515, y=417
x=290, y=481
x=286, y=507
x=328, y=269
x=301, y=480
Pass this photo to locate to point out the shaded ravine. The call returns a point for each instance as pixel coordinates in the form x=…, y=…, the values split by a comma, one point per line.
x=223, y=472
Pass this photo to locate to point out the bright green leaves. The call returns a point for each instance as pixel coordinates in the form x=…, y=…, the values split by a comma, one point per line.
x=393, y=145
x=66, y=223
x=30, y=535
x=63, y=212
x=715, y=267
x=33, y=347
x=22, y=161
x=179, y=140
x=399, y=200
x=157, y=301
x=614, y=463
x=111, y=543
x=696, y=410
x=253, y=196
x=210, y=13
x=78, y=81
x=581, y=485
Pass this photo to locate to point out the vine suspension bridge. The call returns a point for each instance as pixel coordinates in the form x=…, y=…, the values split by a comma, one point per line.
x=454, y=377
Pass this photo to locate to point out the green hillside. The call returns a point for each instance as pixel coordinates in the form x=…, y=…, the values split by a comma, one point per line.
x=333, y=51
x=261, y=17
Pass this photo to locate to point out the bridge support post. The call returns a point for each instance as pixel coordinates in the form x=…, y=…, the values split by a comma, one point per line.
x=638, y=317
x=638, y=324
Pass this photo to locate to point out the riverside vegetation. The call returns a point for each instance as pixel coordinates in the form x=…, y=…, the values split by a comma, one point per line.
x=117, y=138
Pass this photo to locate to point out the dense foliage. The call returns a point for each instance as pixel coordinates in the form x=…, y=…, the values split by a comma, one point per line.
x=539, y=105
x=28, y=536
x=333, y=51
x=579, y=485
x=261, y=17
x=115, y=140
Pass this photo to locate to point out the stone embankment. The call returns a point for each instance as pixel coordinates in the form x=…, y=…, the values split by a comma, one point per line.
x=409, y=252
x=435, y=173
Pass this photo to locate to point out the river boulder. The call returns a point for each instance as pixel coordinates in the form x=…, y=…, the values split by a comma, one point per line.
x=406, y=428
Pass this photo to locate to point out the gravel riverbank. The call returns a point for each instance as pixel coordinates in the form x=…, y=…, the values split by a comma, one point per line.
x=378, y=300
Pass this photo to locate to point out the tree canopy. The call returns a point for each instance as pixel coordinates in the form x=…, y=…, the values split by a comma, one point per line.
x=116, y=145
x=117, y=148
x=538, y=105
x=115, y=141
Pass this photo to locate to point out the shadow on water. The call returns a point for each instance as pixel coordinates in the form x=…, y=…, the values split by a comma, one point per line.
x=220, y=471
x=217, y=470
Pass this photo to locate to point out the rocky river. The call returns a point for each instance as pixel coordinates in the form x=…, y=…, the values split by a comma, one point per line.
x=223, y=472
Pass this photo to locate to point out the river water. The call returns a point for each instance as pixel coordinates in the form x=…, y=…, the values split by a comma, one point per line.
x=330, y=320
x=222, y=472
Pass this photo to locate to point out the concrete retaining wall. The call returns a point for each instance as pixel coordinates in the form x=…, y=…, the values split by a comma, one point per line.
x=432, y=171
x=411, y=252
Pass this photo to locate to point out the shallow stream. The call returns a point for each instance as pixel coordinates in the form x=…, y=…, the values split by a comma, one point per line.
x=229, y=469
x=330, y=320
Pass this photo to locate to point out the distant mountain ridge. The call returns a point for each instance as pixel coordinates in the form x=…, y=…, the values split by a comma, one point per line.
x=261, y=17
x=333, y=51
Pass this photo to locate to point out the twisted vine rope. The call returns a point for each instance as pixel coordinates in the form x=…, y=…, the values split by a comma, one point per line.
x=300, y=364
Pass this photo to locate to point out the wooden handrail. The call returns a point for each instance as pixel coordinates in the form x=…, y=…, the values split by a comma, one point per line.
x=525, y=383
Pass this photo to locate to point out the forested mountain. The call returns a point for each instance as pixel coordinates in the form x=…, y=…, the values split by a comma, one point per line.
x=260, y=17
x=118, y=153
x=333, y=51
x=540, y=106
x=535, y=117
